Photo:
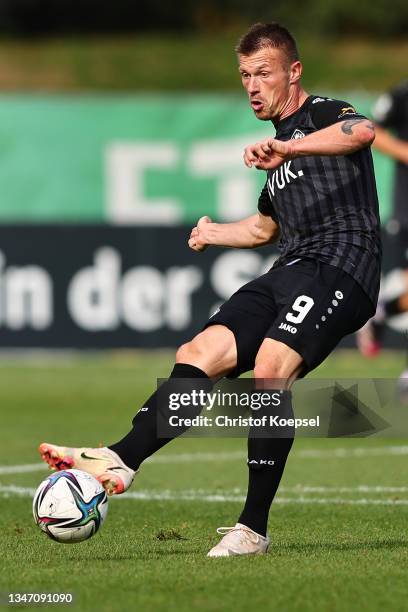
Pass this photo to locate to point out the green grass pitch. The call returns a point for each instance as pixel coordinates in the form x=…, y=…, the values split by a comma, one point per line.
x=338, y=529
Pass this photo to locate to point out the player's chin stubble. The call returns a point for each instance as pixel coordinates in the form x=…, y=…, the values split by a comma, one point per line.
x=263, y=115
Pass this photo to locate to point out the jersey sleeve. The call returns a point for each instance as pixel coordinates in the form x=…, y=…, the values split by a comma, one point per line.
x=265, y=205
x=389, y=109
x=325, y=112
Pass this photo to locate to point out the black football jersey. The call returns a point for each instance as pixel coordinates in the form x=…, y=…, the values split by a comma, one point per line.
x=326, y=206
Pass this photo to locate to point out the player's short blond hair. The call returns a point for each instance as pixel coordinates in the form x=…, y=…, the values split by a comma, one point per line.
x=263, y=35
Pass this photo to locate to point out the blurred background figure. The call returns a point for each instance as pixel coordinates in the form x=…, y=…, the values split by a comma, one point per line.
x=390, y=113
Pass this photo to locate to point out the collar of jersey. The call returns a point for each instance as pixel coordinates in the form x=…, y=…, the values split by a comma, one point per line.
x=290, y=118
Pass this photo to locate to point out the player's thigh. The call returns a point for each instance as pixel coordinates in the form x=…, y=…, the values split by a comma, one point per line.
x=248, y=314
x=213, y=350
x=320, y=313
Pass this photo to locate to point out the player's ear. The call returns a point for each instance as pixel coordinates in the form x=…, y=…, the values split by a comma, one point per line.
x=295, y=72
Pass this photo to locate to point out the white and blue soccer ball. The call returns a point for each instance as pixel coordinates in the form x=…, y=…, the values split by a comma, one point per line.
x=70, y=506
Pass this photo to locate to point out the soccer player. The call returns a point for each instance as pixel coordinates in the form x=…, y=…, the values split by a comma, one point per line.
x=390, y=112
x=320, y=200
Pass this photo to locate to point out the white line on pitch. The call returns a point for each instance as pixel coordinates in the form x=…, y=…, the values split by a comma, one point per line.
x=202, y=457
x=22, y=469
x=176, y=458
x=349, y=453
x=356, y=489
x=238, y=495
x=11, y=490
x=335, y=453
x=207, y=496
x=299, y=489
x=311, y=453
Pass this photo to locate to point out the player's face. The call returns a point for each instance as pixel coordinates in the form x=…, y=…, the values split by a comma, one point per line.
x=266, y=76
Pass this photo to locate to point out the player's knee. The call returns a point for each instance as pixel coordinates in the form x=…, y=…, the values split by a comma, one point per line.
x=185, y=352
x=190, y=352
x=270, y=371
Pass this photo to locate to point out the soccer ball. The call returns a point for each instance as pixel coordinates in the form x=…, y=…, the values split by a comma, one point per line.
x=70, y=506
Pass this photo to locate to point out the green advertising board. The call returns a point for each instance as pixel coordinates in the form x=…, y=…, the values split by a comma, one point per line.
x=135, y=159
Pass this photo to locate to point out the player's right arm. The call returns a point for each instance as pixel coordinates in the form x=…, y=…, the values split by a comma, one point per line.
x=389, y=113
x=390, y=145
x=249, y=233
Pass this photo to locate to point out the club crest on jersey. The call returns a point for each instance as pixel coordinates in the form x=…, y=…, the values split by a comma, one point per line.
x=297, y=134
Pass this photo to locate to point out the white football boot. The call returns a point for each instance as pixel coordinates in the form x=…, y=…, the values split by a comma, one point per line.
x=239, y=540
x=103, y=463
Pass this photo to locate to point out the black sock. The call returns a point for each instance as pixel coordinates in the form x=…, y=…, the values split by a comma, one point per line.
x=150, y=429
x=266, y=462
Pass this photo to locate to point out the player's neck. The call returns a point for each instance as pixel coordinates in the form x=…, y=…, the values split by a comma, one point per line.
x=295, y=100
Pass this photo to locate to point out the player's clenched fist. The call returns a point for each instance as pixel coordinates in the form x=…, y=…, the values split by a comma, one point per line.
x=268, y=154
x=198, y=240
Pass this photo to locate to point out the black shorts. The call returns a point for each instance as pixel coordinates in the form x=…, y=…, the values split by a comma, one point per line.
x=308, y=305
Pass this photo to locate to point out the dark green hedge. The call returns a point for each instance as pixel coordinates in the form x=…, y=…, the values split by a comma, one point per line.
x=380, y=18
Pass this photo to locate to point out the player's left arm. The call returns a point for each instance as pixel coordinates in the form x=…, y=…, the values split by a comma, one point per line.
x=340, y=131
x=249, y=233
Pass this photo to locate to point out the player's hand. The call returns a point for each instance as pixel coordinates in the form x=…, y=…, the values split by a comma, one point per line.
x=268, y=154
x=197, y=240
